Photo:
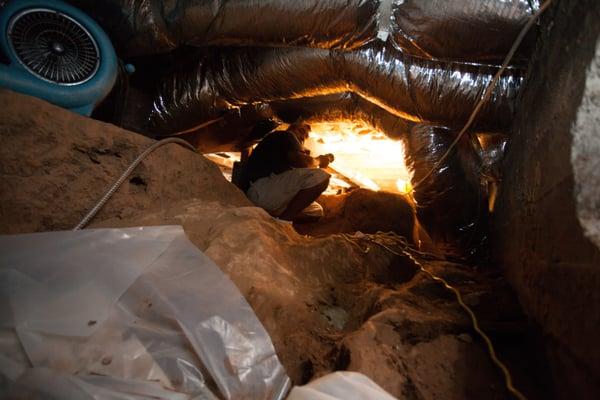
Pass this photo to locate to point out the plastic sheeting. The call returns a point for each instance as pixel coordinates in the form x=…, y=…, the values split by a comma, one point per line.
x=441, y=93
x=432, y=28
x=127, y=313
x=340, y=386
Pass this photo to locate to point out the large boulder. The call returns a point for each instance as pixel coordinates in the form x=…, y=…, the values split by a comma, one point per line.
x=366, y=211
x=55, y=165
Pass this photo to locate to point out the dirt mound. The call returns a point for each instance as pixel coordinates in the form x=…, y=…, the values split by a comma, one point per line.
x=330, y=303
x=365, y=211
x=57, y=164
x=341, y=303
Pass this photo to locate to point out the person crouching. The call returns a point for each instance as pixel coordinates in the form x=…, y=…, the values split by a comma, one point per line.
x=284, y=178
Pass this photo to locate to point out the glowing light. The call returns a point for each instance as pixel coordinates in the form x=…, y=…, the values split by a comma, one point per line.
x=404, y=187
x=359, y=179
x=364, y=155
x=336, y=184
x=223, y=159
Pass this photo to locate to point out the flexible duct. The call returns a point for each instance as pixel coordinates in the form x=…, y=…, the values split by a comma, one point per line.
x=142, y=27
x=470, y=30
x=451, y=201
x=340, y=107
x=239, y=129
x=492, y=150
x=233, y=131
x=418, y=90
x=432, y=28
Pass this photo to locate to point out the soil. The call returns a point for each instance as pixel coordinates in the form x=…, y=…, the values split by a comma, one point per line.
x=345, y=303
x=334, y=302
x=366, y=211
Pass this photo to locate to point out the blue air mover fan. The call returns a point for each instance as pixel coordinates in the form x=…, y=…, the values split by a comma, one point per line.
x=56, y=53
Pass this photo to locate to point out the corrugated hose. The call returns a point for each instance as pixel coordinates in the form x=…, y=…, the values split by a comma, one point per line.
x=115, y=186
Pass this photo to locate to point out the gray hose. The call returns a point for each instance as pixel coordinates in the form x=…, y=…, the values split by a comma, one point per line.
x=115, y=186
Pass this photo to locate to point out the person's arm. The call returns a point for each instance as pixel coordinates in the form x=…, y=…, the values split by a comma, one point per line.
x=300, y=159
x=324, y=160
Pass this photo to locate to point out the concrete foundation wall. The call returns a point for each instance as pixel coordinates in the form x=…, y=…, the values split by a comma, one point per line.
x=547, y=225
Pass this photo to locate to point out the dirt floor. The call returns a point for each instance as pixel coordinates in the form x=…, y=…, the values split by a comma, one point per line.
x=332, y=302
x=346, y=303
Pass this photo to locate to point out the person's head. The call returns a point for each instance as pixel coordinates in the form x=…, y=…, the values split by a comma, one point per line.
x=300, y=130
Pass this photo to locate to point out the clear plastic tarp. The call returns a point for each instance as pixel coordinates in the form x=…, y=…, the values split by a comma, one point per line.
x=342, y=385
x=127, y=314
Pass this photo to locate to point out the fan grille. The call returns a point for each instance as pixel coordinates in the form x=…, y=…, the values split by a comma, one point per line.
x=53, y=46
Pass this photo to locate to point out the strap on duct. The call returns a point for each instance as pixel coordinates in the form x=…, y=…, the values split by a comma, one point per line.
x=384, y=20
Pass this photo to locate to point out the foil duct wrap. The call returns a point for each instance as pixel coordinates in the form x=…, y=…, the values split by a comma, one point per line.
x=414, y=89
x=427, y=28
x=451, y=201
x=233, y=131
x=143, y=27
x=471, y=30
x=225, y=79
x=341, y=107
x=437, y=92
x=242, y=128
x=492, y=150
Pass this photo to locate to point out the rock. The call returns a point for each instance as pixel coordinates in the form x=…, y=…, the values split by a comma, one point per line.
x=329, y=303
x=56, y=165
x=366, y=211
x=546, y=229
x=323, y=299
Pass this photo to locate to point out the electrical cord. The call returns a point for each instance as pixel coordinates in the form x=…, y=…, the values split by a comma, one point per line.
x=401, y=240
x=115, y=186
x=488, y=91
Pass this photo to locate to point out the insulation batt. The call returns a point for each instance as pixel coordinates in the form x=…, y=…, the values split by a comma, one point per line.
x=415, y=89
x=433, y=28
